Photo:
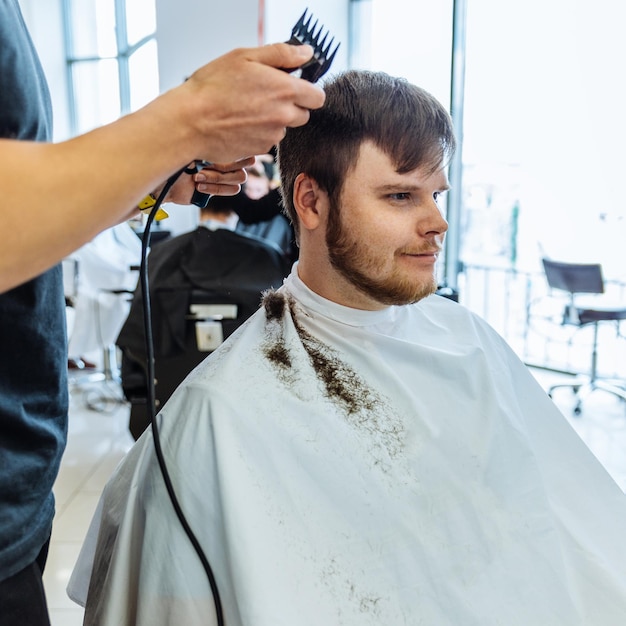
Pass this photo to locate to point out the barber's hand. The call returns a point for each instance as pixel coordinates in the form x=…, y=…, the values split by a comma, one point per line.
x=217, y=179
x=241, y=103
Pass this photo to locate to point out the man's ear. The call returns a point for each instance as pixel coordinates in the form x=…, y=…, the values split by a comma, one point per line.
x=309, y=201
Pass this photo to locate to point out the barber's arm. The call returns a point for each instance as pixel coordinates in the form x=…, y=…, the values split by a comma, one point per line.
x=56, y=197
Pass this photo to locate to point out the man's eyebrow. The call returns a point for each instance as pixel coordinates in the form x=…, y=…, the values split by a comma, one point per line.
x=402, y=186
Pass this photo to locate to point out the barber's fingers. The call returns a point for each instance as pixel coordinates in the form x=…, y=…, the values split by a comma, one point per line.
x=216, y=179
x=261, y=77
x=220, y=189
x=290, y=57
x=240, y=104
x=221, y=180
x=207, y=181
x=283, y=55
x=233, y=166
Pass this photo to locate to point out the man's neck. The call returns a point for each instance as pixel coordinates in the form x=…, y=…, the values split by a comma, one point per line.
x=319, y=276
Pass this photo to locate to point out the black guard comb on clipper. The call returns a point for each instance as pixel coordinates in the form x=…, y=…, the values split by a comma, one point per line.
x=304, y=33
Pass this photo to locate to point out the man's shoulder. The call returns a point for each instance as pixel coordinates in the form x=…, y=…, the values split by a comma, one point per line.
x=452, y=314
x=441, y=303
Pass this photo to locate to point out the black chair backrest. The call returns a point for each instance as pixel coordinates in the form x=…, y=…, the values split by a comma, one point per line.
x=574, y=277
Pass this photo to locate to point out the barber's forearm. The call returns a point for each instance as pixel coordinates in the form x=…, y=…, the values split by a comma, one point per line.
x=56, y=197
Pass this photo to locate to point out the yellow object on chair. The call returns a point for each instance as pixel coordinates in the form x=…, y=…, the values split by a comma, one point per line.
x=145, y=206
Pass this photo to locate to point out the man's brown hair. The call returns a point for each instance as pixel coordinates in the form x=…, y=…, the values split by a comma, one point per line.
x=401, y=119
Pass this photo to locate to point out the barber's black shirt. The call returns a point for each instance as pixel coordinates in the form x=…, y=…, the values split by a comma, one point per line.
x=33, y=343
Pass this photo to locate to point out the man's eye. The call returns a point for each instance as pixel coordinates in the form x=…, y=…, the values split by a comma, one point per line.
x=399, y=196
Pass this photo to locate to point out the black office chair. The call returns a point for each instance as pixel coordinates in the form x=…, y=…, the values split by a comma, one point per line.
x=210, y=318
x=574, y=279
x=203, y=286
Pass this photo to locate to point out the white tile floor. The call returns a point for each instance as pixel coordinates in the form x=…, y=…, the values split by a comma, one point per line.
x=99, y=439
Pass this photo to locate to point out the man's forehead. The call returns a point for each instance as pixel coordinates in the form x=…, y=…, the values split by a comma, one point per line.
x=372, y=160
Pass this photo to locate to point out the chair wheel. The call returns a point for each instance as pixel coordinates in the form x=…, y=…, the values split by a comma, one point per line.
x=577, y=410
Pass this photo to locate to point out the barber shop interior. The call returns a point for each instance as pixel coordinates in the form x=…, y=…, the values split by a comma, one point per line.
x=535, y=209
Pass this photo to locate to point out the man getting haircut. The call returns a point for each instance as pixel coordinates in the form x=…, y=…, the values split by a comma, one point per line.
x=362, y=451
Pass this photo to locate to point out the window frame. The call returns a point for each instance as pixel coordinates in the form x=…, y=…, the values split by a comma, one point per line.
x=125, y=51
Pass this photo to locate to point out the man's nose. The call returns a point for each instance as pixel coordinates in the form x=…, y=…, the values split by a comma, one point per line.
x=433, y=222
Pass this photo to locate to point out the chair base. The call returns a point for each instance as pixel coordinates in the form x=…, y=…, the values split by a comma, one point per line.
x=583, y=387
x=101, y=399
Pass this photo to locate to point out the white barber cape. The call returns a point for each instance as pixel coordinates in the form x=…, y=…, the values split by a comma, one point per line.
x=357, y=468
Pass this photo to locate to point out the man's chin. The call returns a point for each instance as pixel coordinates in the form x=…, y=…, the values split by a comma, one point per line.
x=401, y=297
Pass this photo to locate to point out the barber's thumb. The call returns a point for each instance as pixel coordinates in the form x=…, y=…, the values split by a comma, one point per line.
x=283, y=55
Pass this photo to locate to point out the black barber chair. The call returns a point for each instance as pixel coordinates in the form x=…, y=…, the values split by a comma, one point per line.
x=575, y=279
x=203, y=285
x=209, y=318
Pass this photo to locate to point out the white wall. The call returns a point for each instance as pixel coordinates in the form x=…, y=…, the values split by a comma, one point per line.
x=203, y=30
x=414, y=39
x=186, y=41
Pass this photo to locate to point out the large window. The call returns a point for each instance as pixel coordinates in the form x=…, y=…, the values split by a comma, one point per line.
x=543, y=132
x=111, y=59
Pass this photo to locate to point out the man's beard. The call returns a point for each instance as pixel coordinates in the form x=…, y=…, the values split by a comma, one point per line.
x=355, y=262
